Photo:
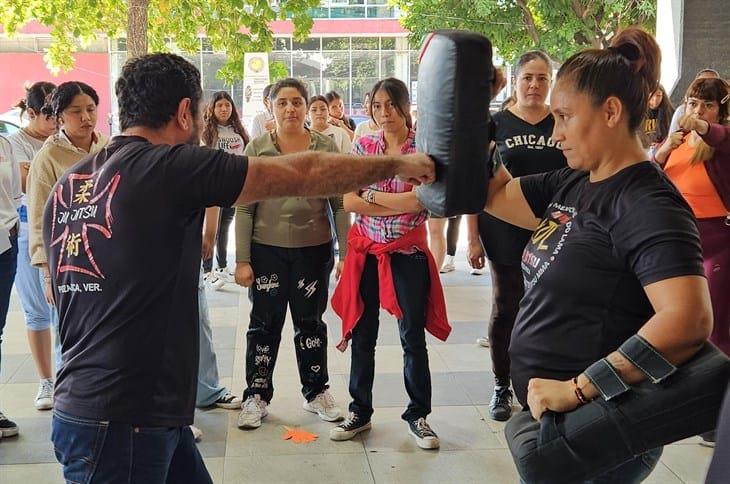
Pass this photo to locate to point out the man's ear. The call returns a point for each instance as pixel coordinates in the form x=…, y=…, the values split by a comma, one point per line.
x=184, y=116
x=613, y=111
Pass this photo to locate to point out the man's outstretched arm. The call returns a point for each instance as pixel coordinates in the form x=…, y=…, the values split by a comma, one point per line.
x=321, y=174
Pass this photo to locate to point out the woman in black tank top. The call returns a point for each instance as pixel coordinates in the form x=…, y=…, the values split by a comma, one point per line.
x=522, y=135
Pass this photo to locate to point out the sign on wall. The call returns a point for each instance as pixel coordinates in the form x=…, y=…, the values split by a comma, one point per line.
x=255, y=79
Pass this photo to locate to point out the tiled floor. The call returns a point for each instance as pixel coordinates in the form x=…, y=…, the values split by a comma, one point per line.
x=472, y=446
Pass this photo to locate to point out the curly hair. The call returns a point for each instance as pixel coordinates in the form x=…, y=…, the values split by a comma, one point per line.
x=150, y=88
x=210, y=132
x=62, y=97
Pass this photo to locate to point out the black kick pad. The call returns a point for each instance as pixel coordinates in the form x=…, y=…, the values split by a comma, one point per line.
x=454, y=126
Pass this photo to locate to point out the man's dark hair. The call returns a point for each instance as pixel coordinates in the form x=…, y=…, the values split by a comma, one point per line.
x=63, y=95
x=151, y=87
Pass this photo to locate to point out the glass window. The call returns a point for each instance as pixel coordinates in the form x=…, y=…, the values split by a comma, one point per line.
x=381, y=12
x=311, y=43
x=335, y=43
x=365, y=43
x=306, y=68
x=361, y=86
x=365, y=64
x=336, y=72
x=320, y=12
x=237, y=94
x=387, y=43
x=347, y=12
x=211, y=64
x=282, y=43
x=339, y=85
x=387, y=64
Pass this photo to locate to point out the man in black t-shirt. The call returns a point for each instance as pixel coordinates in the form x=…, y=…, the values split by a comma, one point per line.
x=130, y=340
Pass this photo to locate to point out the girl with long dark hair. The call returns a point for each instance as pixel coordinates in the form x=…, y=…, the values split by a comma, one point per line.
x=224, y=131
x=389, y=264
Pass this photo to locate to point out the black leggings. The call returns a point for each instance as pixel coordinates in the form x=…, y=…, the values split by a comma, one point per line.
x=507, y=291
x=452, y=235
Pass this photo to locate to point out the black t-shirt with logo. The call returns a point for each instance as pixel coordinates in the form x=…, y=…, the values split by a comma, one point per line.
x=586, y=265
x=525, y=149
x=123, y=236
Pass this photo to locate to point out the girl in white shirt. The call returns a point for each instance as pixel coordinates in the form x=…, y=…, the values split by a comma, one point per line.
x=318, y=115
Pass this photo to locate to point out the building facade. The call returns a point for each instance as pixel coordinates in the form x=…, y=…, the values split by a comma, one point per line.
x=352, y=44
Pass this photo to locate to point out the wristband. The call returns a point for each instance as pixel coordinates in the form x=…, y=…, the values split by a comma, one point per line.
x=579, y=393
x=606, y=379
x=646, y=358
x=370, y=196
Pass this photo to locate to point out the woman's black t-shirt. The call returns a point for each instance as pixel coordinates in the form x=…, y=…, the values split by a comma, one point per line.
x=525, y=149
x=586, y=265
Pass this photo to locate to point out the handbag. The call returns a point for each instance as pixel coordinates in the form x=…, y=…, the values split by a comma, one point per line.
x=601, y=435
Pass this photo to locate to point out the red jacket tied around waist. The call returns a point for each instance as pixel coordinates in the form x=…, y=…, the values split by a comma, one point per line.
x=347, y=302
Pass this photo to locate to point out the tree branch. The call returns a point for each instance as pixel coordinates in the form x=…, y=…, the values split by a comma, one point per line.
x=529, y=22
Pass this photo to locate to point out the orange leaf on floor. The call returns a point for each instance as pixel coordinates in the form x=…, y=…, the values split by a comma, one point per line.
x=298, y=436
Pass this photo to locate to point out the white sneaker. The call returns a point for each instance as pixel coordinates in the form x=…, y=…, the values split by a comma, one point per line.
x=324, y=406
x=252, y=412
x=476, y=272
x=197, y=433
x=44, y=398
x=448, y=266
x=224, y=275
x=483, y=341
x=212, y=281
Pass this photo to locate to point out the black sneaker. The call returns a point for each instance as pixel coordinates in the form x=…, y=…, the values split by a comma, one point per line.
x=7, y=427
x=500, y=408
x=352, y=425
x=425, y=437
x=229, y=401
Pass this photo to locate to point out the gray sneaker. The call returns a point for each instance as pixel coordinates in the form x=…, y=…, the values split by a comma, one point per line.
x=324, y=405
x=252, y=412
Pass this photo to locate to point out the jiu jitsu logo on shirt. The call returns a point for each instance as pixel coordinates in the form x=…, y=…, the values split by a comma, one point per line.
x=81, y=208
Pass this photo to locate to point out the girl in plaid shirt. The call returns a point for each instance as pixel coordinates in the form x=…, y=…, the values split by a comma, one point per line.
x=388, y=264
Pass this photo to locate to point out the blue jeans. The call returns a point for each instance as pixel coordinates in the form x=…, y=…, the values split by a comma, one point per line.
x=39, y=315
x=209, y=387
x=114, y=453
x=8, y=264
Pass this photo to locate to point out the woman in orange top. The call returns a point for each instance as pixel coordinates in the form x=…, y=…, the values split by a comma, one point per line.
x=697, y=159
